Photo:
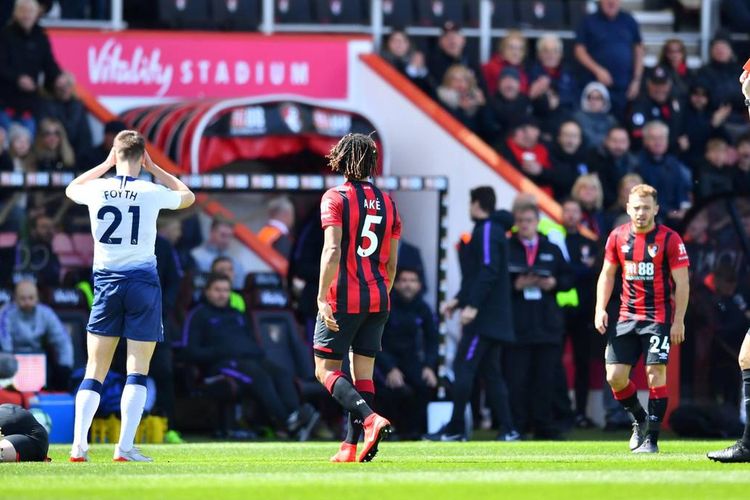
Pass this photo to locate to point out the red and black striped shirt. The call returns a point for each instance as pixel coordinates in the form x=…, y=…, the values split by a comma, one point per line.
x=647, y=261
x=369, y=221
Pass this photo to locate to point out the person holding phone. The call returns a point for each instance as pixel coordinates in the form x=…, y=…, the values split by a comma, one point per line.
x=537, y=271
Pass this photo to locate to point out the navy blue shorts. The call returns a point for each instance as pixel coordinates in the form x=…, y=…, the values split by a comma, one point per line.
x=127, y=307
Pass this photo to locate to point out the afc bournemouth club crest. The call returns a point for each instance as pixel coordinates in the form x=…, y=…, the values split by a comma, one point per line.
x=652, y=250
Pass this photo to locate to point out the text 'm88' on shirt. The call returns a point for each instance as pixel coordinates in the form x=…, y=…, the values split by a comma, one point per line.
x=647, y=261
x=369, y=221
x=123, y=212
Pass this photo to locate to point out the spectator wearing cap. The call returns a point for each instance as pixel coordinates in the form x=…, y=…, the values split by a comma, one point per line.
x=550, y=74
x=27, y=326
x=450, y=50
x=97, y=154
x=508, y=103
x=658, y=103
x=460, y=95
x=524, y=151
x=609, y=46
x=594, y=116
x=399, y=51
x=673, y=58
x=702, y=121
x=720, y=75
x=664, y=172
x=70, y=111
x=511, y=52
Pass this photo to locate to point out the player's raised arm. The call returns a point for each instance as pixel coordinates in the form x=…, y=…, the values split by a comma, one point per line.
x=169, y=180
x=604, y=287
x=91, y=174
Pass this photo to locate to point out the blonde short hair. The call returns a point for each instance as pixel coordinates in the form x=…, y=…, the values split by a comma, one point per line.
x=644, y=190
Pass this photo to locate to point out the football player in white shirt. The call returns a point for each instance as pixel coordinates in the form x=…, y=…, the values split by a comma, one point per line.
x=127, y=296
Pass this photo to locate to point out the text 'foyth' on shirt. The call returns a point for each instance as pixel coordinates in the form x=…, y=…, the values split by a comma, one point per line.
x=123, y=212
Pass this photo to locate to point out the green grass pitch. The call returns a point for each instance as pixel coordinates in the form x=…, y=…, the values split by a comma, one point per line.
x=581, y=470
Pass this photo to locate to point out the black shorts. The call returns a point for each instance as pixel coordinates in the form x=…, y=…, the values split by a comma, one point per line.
x=23, y=431
x=361, y=332
x=633, y=338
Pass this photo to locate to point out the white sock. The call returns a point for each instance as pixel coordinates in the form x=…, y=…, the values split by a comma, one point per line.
x=87, y=402
x=131, y=407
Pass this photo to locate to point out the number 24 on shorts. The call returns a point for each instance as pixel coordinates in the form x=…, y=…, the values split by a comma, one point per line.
x=659, y=343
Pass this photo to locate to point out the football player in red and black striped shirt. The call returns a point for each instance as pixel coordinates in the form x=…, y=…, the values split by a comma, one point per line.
x=358, y=265
x=740, y=451
x=654, y=299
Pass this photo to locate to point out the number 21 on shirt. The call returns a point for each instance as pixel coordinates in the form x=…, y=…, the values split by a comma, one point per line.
x=106, y=238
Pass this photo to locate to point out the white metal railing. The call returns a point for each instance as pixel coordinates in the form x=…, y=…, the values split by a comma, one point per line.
x=485, y=33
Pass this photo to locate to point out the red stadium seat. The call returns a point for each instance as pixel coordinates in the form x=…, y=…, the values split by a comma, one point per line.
x=62, y=244
x=8, y=240
x=84, y=245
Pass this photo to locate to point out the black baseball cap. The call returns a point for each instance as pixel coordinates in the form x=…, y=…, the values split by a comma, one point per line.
x=659, y=75
x=450, y=25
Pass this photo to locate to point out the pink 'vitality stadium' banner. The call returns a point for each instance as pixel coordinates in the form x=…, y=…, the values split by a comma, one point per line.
x=189, y=64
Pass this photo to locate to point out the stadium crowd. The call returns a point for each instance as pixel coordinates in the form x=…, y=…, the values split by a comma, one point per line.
x=585, y=124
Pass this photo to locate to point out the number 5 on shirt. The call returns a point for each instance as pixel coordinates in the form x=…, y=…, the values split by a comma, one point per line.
x=368, y=234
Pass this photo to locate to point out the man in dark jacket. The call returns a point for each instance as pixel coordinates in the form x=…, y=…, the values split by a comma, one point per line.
x=583, y=251
x=664, y=172
x=25, y=56
x=657, y=104
x=484, y=300
x=407, y=365
x=568, y=159
x=537, y=270
x=36, y=257
x=450, y=51
x=220, y=341
x=612, y=161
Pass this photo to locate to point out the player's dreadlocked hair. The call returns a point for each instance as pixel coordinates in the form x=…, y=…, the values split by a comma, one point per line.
x=355, y=156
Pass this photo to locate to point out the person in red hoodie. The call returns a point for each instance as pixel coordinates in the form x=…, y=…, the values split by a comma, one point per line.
x=511, y=52
x=522, y=148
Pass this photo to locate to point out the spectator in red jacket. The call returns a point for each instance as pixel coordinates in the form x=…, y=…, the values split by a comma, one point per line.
x=524, y=151
x=511, y=52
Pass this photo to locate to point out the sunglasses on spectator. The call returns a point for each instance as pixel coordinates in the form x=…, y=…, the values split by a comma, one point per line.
x=594, y=97
x=51, y=132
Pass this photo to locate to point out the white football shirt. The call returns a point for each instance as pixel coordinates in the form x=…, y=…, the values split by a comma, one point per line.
x=123, y=212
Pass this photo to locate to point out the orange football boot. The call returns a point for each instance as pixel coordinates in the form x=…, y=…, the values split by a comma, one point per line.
x=375, y=428
x=347, y=453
